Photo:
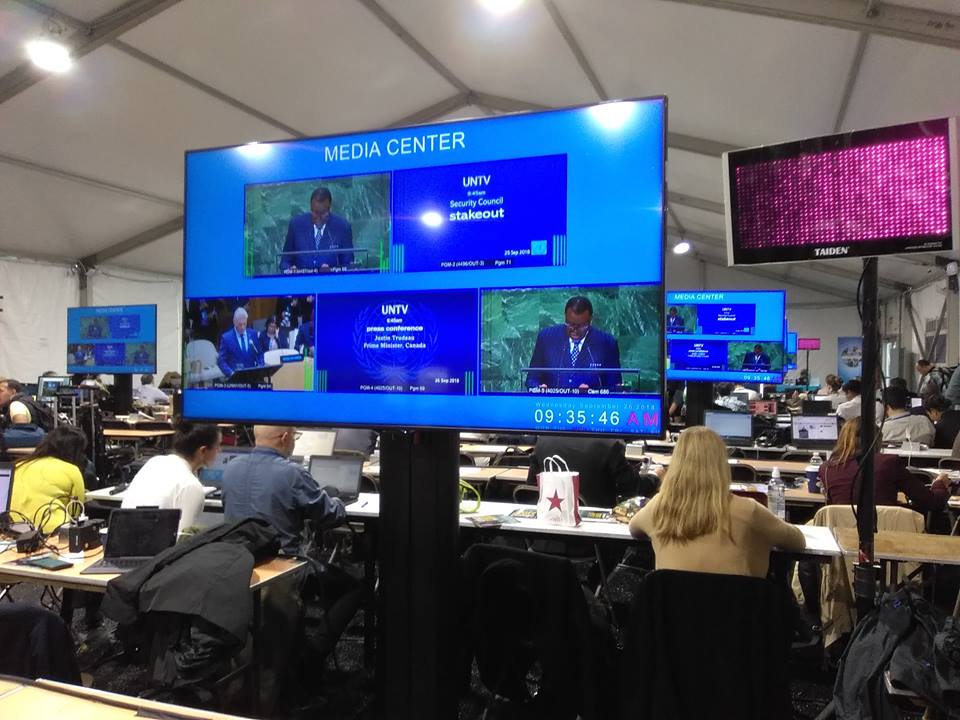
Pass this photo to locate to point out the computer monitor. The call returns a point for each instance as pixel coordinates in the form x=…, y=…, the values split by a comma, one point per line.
x=814, y=431
x=816, y=407
x=733, y=427
x=6, y=485
x=47, y=386
x=916, y=402
x=743, y=397
x=213, y=476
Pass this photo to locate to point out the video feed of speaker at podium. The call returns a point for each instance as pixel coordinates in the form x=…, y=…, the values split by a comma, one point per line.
x=398, y=342
x=258, y=343
x=317, y=227
x=595, y=340
x=756, y=356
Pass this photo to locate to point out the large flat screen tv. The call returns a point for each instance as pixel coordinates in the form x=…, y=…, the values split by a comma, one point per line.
x=114, y=339
x=790, y=362
x=725, y=335
x=503, y=274
x=869, y=192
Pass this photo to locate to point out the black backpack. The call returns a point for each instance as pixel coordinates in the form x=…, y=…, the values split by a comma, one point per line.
x=41, y=415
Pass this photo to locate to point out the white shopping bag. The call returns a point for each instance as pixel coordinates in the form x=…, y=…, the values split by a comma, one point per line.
x=559, y=493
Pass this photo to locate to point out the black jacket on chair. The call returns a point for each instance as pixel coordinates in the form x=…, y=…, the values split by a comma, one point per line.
x=36, y=643
x=704, y=645
x=520, y=607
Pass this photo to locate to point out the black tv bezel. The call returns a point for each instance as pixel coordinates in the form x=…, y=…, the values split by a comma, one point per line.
x=463, y=428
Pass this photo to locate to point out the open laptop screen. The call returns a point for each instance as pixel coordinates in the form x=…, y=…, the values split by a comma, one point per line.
x=730, y=426
x=815, y=430
x=141, y=533
x=340, y=471
x=6, y=485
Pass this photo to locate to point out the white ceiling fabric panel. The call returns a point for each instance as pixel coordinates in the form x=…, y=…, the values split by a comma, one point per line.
x=734, y=77
x=115, y=118
x=163, y=256
x=320, y=67
x=519, y=55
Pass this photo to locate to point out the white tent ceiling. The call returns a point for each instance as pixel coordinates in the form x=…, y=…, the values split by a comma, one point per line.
x=91, y=162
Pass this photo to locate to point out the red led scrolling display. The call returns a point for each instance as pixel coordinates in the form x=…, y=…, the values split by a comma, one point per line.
x=862, y=193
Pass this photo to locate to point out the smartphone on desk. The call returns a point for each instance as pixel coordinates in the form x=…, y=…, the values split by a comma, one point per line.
x=46, y=562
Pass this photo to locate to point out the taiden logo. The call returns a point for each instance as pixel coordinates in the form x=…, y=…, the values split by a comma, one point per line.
x=831, y=251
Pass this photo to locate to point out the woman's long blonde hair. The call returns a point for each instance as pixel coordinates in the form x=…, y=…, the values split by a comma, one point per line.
x=694, y=499
x=848, y=443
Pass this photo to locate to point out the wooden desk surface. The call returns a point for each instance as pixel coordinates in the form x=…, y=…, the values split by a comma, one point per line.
x=45, y=698
x=470, y=473
x=263, y=574
x=485, y=450
x=132, y=434
x=905, y=546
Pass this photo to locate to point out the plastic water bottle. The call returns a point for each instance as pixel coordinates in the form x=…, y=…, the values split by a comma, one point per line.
x=776, y=500
x=816, y=459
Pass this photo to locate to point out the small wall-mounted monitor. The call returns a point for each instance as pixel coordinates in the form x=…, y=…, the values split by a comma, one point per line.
x=112, y=339
x=869, y=192
x=725, y=335
x=791, y=352
x=808, y=343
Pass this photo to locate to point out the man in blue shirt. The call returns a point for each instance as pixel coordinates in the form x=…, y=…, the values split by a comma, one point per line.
x=267, y=485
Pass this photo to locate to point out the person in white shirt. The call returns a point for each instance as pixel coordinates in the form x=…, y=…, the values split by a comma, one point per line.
x=851, y=408
x=170, y=481
x=831, y=391
x=900, y=425
x=150, y=394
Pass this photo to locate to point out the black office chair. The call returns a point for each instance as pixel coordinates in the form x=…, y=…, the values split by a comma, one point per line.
x=512, y=457
x=36, y=643
x=526, y=494
x=949, y=463
x=520, y=609
x=729, y=623
x=369, y=484
x=741, y=473
x=467, y=460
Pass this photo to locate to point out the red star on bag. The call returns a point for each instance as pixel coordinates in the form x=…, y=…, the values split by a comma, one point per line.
x=555, y=501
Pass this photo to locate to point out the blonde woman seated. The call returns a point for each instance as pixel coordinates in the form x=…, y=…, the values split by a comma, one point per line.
x=696, y=524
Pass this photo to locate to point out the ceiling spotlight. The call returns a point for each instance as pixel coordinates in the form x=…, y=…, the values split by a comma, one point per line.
x=431, y=218
x=681, y=248
x=49, y=55
x=501, y=7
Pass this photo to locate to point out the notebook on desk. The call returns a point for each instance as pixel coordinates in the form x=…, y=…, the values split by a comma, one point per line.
x=134, y=538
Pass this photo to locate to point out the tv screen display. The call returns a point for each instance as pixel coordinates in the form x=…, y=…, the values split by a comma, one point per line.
x=869, y=192
x=808, y=343
x=725, y=335
x=503, y=273
x=790, y=363
x=113, y=339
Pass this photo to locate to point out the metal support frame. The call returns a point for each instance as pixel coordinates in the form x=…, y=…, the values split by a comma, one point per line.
x=865, y=571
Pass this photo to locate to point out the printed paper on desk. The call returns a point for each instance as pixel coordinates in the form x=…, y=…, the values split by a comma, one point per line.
x=559, y=493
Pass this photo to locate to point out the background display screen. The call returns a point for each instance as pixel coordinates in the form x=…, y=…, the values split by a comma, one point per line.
x=114, y=339
x=476, y=274
x=725, y=335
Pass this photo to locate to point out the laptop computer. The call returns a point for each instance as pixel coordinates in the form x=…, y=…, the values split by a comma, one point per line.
x=134, y=538
x=341, y=471
x=815, y=431
x=816, y=407
x=733, y=427
x=315, y=442
x=6, y=485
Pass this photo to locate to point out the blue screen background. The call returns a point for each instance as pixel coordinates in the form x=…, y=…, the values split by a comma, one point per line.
x=133, y=324
x=614, y=228
x=769, y=313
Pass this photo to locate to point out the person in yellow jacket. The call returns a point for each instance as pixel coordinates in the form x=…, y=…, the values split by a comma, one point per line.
x=46, y=481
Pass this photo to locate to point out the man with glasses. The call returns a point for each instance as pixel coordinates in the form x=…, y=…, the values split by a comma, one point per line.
x=266, y=484
x=574, y=354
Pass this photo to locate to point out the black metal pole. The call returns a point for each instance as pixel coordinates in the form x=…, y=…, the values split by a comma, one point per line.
x=865, y=574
